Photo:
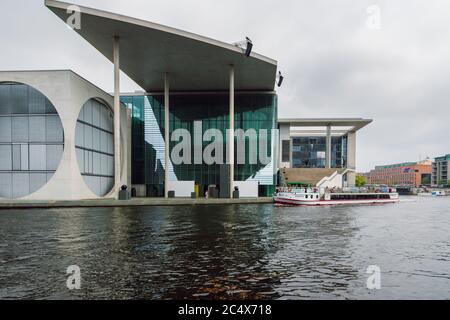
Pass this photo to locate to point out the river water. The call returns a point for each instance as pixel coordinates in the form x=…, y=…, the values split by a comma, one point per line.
x=228, y=252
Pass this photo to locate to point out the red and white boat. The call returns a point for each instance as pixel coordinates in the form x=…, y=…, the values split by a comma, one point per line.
x=311, y=198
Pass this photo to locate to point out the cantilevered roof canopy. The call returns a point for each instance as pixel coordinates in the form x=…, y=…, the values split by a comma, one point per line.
x=148, y=50
x=355, y=123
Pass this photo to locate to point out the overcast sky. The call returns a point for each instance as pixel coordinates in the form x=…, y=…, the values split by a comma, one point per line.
x=334, y=64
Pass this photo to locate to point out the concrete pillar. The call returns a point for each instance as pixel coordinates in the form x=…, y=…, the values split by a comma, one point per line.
x=128, y=147
x=328, y=148
x=116, y=59
x=351, y=158
x=231, y=132
x=351, y=150
x=166, y=134
x=285, y=135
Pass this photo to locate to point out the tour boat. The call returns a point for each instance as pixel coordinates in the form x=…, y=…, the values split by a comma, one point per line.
x=433, y=194
x=315, y=198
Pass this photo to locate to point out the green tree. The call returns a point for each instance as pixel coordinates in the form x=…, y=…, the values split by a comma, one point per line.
x=360, y=181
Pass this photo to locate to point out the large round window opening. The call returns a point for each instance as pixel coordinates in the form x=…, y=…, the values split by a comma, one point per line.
x=94, y=145
x=31, y=140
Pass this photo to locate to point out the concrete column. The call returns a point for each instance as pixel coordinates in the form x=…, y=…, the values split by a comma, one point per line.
x=128, y=147
x=328, y=148
x=285, y=135
x=351, y=158
x=231, y=132
x=116, y=59
x=166, y=134
x=351, y=150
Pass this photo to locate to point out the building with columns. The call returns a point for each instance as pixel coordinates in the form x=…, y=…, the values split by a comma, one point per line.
x=186, y=79
x=320, y=143
x=440, y=176
x=63, y=138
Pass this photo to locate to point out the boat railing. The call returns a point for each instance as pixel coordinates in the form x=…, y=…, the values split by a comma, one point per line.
x=297, y=190
x=355, y=190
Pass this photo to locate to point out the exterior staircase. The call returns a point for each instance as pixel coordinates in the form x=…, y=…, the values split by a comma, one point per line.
x=309, y=176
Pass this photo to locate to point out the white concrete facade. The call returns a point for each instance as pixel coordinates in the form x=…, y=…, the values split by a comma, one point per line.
x=149, y=50
x=68, y=92
x=351, y=158
x=247, y=189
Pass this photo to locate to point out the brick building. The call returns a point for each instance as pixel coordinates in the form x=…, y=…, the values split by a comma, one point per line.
x=403, y=174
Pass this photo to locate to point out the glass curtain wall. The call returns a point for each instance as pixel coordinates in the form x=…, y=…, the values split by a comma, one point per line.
x=31, y=140
x=94, y=146
x=308, y=152
x=252, y=111
x=339, y=152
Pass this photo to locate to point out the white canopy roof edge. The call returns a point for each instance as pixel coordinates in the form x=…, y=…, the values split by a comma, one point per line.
x=148, y=50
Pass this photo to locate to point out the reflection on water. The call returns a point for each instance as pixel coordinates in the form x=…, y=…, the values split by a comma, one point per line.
x=228, y=252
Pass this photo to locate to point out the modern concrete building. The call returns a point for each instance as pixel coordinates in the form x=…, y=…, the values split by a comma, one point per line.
x=411, y=174
x=57, y=138
x=63, y=138
x=307, y=146
x=440, y=168
x=186, y=79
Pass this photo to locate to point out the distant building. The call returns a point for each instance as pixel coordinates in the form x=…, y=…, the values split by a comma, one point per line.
x=402, y=174
x=62, y=138
x=313, y=150
x=440, y=170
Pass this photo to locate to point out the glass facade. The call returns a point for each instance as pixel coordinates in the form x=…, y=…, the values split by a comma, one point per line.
x=252, y=111
x=94, y=146
x=310, y=152
x=31, y=140
x=339, y=152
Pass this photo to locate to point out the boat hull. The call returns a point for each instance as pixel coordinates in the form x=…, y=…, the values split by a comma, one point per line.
x=297, y=202
x=433, y=194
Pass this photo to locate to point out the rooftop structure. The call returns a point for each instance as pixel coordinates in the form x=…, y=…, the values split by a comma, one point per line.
x=149, y=50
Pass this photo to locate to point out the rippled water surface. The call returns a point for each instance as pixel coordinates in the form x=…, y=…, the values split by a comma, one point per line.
x=228, y=252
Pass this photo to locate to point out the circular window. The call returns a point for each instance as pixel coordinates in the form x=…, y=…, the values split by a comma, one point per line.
x=94, y=145
x=31, y=140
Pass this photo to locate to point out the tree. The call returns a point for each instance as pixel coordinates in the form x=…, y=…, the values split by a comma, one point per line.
x=360, y=181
